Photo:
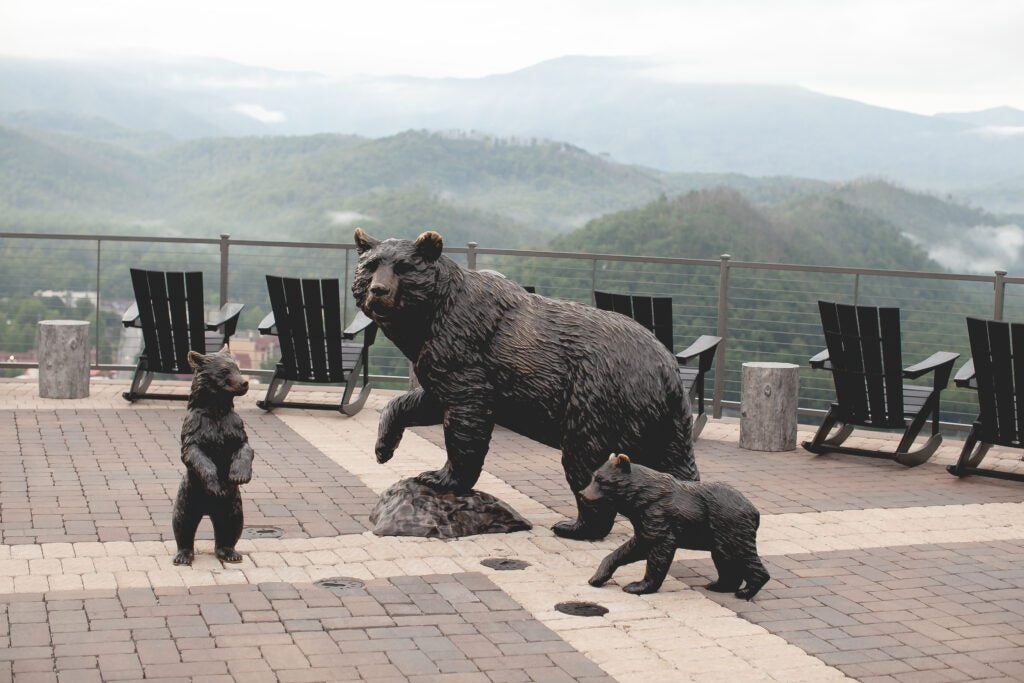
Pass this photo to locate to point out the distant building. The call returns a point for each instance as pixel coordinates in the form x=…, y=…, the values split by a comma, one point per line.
x=69, y=297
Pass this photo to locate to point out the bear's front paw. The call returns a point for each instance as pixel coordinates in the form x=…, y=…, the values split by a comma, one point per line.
x=577, y=531
x=441, y=480
x=227, y=555
x=599, y=579
x=640, y=587
x=213, y=487
x=184, y=557
x=384, y=452
x=240, y=473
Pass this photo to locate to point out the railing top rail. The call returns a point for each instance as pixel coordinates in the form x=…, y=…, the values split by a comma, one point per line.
x=108, y=238
x=528, y=253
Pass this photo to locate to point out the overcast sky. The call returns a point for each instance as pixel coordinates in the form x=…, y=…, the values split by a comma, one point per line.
x=919, y=55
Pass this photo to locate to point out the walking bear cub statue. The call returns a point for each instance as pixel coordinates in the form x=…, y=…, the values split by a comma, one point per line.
x=217, y=457
x=669, y=514
x=587, y=382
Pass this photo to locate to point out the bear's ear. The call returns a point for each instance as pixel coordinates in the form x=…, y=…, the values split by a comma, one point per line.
x=364, y=242
x=196, y=360
x=621, y=462
x=429, y=245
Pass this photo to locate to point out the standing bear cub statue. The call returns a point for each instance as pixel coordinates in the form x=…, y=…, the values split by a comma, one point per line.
x=586, y=382
x=669, y=514
x=217, y=457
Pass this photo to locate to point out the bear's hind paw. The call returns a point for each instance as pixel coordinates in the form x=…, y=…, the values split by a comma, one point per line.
x=722, y=587
x=228, y=555
x=441, y=480
x=640, y=587
x=184, y=557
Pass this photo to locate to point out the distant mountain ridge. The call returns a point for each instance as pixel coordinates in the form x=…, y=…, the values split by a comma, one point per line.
x=605, y=105
x=495, y=191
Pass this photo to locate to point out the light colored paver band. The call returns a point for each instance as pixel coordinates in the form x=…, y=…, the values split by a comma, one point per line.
x=675, y=635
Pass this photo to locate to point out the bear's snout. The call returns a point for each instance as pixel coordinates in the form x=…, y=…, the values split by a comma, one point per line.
x=592, y=493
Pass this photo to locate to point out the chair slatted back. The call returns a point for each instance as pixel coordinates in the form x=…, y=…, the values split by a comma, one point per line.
x=173, y=317
x=867, y=366
x=308, y=318
x=998, y=351
x=653, y=312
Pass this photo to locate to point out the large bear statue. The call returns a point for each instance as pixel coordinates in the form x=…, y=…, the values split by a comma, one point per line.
x=585, y=381
x=667, y=514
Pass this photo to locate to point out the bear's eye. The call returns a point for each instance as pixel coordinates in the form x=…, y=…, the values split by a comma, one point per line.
x=371, y=265
x=403, y=267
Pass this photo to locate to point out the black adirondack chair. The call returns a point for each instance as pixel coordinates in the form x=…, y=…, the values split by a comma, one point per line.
x=655, y=313
x=863, y=352
x=996, y=372
x=169, y=309
x=306, y=318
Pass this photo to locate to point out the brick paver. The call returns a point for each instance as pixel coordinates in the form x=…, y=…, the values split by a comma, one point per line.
x=410, y=628
x=951, y=612
x=111, y=475
x=880, y=573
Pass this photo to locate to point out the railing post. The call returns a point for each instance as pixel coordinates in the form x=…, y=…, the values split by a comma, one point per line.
x=723, y=332
x=96, y=347
x=471, y=255
x=593, y=282
x=1000, y=287
x=856, y=288
x=344, y=286
x=224, y=245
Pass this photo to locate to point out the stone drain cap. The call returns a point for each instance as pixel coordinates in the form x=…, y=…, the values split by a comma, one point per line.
x=503, y=564
x=339, y=583
x=581, y=609
x=262, y=532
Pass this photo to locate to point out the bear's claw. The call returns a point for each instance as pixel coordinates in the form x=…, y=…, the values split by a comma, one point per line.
x=184, y=557
x=228, y=555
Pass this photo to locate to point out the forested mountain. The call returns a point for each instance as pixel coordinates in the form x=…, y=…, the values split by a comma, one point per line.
x=818, y=229
x=627, y=108
x=98, y=177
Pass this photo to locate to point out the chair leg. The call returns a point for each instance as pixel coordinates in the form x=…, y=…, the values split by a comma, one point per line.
x=971, y=454
x=818, y=443
x=347, y=405
x=699, y=421
x=904, y=455
x=840, y=435
x=276, y=392
x=140, y=382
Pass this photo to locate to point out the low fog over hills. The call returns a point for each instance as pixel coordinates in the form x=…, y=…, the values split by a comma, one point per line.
x=615, y=106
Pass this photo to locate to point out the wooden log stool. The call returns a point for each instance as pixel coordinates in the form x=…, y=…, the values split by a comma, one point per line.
x=63, y=348
x=768, y=406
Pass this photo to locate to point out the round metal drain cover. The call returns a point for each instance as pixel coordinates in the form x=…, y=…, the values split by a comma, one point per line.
x=581, y=609
x=504, y=564
x=339, y=583
x=262, y=532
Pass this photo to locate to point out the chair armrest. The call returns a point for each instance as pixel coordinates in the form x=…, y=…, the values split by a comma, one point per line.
x=965, y=376
x=226, y=318
x=358, y=324
x=131, y=317
x=268, y=325
x=820, y=361
x=704, y=343
x=932, y=362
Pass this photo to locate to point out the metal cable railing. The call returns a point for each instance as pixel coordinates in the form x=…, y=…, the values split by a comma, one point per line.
x=764, y=311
